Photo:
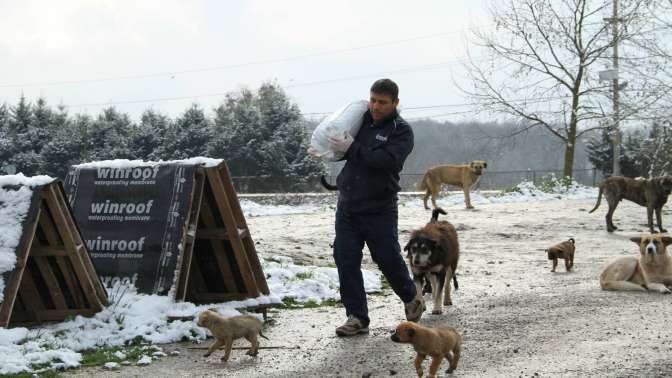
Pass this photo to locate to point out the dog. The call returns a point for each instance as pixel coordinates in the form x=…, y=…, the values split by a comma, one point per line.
x=651, y=193
x=652, y=271
x=564, y=250
x=439, y=343
x=432, y=253
x=227, y=329
x=463, y=176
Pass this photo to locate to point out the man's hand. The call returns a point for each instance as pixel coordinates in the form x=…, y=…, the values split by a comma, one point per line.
x=314, y=154
x=341, y=144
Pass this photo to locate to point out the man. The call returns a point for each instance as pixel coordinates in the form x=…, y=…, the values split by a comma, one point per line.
x=367, y=207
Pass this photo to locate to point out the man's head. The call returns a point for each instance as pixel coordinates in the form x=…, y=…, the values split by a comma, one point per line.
x=384, y=99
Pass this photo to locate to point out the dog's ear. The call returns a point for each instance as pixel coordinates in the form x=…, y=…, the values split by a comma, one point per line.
x=485, y=165
x=471, y=164
x=407, y=248
x=410, y=332
x=636, y=239
x=667, y=240
x=572, y=240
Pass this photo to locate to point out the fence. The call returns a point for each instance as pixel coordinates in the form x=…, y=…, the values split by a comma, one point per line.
x=490, y=180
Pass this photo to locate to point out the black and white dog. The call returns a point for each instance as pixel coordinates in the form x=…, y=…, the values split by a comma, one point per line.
x=433, y=252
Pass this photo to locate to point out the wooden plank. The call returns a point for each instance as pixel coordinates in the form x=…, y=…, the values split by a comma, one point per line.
x=221, y=297
x=52, y=283
x=46, y=251
x=58, y=315
x=71, y=282
x=72, y=243
x=30, y=296
x=196, y=283
x=97, y=284
x=224, y=207
x=189, y=241
x=218, y=248
x=15, y=278
x=250, y=248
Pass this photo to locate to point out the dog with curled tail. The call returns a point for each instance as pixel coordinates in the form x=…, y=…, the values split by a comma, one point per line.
x=227, y=329
x=565, y=251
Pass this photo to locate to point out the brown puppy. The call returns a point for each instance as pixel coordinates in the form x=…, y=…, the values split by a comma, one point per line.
x=439, y=343
x=652, y=271
x=462, y=176
x=227, y=329
x=564, y=250
x=433, y=252
x=651, y=193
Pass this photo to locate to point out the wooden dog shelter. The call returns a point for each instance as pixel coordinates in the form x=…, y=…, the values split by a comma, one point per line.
x=204, y=253
x=53, y=277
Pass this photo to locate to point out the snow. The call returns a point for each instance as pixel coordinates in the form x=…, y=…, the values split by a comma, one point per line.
x=145, y=360
x=125, y=163
x=131, y=315
x=14, y=206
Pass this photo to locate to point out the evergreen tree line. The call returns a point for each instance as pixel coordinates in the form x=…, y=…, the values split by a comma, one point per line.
x=645, y=152
x=258, y=133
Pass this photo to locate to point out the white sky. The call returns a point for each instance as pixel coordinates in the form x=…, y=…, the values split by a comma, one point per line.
x=83, y=53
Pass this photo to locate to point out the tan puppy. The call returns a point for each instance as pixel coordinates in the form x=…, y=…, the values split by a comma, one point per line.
x=652, y=271
x=439, y=343
x=564, y=250
x=462, y=176
x=227, y=329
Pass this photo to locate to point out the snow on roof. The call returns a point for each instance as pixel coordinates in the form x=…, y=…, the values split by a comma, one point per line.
x=125, y=163
x=14, y=205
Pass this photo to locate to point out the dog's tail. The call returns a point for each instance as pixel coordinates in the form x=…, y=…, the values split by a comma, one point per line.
x=327, y=185
x=422, y=185
x=262, y=335
x=435, y=214
x=599, y=198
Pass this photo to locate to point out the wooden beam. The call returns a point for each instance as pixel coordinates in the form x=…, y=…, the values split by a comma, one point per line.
x=224, y=207
x=188, y=241
x=218, y=249
x=15, y=278
x=52, y=283
x=46, y=251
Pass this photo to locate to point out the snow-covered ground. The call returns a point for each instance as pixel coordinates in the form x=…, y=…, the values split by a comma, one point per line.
x=131, y=316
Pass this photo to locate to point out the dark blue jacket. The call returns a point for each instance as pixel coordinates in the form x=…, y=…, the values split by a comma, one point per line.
x=369, y=181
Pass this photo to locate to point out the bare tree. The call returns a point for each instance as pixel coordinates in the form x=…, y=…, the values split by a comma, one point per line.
x=541, y=64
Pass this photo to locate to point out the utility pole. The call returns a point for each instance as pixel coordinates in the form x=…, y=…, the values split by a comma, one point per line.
x=616, y=132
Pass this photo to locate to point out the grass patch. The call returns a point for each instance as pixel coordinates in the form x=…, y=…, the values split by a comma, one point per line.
x=292, y=304
x=46, y=374
x=303, y=276
x=101, y=356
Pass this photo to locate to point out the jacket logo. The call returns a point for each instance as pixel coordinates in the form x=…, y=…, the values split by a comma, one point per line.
x=381, y=138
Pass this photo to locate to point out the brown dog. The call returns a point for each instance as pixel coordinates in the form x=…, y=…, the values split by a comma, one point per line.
x=227, y=329
x=433, y=252
x=439, y=343
x=564, y=250
x=462, y=176
x=651, y=193
x=652, y=271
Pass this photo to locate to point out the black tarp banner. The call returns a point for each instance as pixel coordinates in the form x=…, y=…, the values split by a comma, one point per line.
x=132, y=220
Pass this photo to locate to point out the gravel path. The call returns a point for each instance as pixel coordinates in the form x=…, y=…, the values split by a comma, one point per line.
x=517, y=318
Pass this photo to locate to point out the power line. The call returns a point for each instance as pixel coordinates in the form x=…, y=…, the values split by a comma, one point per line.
x=171, y=74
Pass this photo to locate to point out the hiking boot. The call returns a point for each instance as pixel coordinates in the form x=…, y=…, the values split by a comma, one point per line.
x=352, y=327
x=414, y=309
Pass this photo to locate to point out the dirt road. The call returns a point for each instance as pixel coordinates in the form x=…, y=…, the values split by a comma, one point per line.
x=518, y=318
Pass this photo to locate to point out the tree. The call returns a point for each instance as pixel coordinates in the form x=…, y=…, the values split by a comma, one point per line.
x=107, y=137
x=264, y=133
x=148, y=136
x=601, y=152
x=187, y=137
x=541, y=63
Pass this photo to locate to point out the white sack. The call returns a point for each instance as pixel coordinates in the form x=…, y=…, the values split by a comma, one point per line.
x=348, y=118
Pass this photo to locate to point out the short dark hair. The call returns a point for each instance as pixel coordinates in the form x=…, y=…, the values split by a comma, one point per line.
x=386, y=86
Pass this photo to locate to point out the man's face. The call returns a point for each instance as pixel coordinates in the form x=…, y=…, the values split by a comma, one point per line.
x=381, y=106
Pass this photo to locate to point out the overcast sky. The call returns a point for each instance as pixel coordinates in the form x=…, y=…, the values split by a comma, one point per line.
x=167, y=54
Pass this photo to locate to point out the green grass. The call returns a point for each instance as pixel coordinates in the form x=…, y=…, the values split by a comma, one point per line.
x=101, y=356
x=46, y=374
x=292, y=304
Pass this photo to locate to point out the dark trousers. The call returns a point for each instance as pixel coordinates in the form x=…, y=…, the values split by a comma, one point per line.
x=379, y=232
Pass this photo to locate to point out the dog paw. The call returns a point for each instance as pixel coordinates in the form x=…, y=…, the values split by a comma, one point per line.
x=207, y=355
x=251, y=353
x=437, y=311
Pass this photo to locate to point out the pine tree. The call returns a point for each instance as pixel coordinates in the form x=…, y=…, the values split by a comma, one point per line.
x=601, y=151
x=187, y=137
x=108, y=136
x=147, y=137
